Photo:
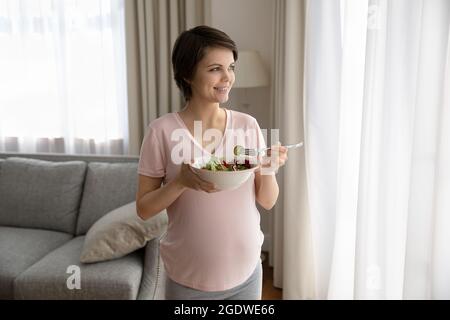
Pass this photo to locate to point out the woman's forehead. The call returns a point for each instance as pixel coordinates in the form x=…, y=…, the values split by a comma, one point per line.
x=218, y=56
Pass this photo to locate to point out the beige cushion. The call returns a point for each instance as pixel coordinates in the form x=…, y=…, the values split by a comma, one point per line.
x=120, y=232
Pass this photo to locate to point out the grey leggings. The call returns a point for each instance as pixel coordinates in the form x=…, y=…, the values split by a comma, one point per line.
x=251, y=289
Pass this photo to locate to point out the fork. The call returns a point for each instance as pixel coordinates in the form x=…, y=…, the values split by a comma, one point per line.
x=240, y=150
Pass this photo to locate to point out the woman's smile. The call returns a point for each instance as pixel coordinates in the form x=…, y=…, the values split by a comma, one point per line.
x=222, y=90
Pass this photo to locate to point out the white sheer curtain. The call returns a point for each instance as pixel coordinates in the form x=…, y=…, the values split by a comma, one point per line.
x=63, y=76
x=377, y=130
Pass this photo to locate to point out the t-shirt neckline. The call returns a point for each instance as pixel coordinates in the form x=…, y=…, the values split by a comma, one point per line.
x=220, y=145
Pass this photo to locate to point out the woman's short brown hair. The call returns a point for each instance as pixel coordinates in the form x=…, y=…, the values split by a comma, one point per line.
x=190, y=48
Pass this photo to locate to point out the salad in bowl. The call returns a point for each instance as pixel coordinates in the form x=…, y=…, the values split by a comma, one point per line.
x=226, y=175
x=220, y=164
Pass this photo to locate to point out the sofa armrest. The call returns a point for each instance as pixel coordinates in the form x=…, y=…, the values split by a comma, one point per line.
x=153, y=276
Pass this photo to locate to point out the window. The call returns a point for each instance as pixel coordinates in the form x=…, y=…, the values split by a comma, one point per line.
x=63, y=76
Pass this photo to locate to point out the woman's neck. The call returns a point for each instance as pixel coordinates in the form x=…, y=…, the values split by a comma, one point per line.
x=201, y=111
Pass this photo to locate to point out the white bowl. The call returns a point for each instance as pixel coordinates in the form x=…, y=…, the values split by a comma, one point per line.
x=224, y=180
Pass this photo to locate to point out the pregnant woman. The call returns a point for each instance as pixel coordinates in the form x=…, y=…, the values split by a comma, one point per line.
x=212, y=246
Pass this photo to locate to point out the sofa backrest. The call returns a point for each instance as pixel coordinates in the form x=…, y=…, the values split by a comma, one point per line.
x=107, y=187
x=40, y=194
x=108, y=182
x=1, y=161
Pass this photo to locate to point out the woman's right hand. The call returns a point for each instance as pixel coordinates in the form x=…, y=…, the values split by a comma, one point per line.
x=187, y=178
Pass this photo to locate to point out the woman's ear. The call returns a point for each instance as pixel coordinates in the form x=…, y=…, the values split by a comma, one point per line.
x=187, y=81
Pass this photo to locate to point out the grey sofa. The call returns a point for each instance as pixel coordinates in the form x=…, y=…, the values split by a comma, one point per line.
x=47, y=204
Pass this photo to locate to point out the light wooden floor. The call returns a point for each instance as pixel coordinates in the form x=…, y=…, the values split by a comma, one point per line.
x=269, y=291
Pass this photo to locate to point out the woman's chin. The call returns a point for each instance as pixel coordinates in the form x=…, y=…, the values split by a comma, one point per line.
x=222, y=99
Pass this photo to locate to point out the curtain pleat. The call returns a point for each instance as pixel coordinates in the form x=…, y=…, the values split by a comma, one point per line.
x=292, y=249
x=152, y=28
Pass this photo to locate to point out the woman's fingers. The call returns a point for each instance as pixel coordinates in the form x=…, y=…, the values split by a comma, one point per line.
x=203, y=185
x=277, y=156
x=277, y=149
x=208, y=187
x=191, y=180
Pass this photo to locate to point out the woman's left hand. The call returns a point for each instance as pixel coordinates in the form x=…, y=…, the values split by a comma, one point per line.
x=276, y=158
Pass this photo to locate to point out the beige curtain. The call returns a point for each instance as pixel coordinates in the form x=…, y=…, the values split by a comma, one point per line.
x=152, y=27
x=292, y=255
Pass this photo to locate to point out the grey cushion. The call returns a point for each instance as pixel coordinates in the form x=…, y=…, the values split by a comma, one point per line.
x=40, y=194
x=107, y=187
x=47, y=279
x=20, y=248
x=154, y=276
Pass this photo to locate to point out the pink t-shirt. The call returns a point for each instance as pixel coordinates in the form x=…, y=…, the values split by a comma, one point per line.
x=213, y=240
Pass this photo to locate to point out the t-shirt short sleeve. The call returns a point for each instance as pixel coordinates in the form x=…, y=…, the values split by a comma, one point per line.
x=260, y=139
x=152, y=158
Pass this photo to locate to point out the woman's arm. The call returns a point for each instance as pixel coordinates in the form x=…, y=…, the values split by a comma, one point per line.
x=266, y=186
x=151, y=198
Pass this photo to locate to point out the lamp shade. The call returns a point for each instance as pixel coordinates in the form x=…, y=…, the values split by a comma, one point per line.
x=250, y=70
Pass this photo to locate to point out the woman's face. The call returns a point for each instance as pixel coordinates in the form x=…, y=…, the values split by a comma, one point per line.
x=214, y=76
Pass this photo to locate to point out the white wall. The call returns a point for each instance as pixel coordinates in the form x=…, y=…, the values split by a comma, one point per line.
x=250, y=23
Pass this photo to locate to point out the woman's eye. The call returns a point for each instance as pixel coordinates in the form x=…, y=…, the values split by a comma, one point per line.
x=218, y=68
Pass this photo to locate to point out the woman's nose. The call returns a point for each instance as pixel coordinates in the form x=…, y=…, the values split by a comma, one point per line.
x=227, y=75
